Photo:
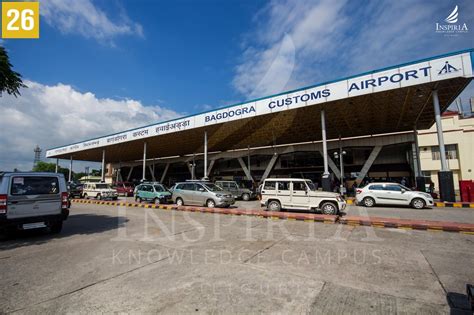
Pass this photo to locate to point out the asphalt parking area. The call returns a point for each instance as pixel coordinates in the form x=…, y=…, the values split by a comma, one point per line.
x=118, y=259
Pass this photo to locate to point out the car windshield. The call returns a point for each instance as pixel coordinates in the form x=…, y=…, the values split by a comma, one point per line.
x=159, y=188
x=311, y=185
x=102, y=186
x=213, y=187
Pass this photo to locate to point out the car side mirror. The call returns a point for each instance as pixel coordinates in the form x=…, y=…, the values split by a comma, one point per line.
x=201, y=189
x=403, y=190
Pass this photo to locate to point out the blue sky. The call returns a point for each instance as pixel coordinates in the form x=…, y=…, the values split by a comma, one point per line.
x=183, y=60
x=101, y=66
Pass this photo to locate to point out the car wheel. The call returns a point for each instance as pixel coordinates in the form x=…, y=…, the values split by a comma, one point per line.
x=274, y=206
x=210, y=203
x=56, y=227
x=245, y=197
x=156, y=201
x=418, y=203
x=368, y=202
x=328, y=208
x=179, y=202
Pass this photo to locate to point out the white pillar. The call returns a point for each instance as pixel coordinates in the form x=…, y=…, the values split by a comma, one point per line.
x=325, y=146
x=70, y=169
x=102, y=175
x=144, y=162
x=417, y=154
x=439, y=130
x=57, y=166
x=248, y=160
x=205, y=153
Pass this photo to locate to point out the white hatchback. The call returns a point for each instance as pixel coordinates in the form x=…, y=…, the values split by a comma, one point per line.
x=392, y=194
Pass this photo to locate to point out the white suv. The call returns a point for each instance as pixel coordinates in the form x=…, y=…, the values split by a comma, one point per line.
x=297, y=193
x=30, y=200
x=392, y=194
x=99, y=191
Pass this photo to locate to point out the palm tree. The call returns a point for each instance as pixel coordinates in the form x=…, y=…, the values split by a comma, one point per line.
x=10, y=81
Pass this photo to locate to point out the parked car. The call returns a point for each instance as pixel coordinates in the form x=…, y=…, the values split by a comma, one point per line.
x=75, y=189
x=392, y=194
x=297, y=193
x=156, y=193
x=124, y=188
x=202, y=194
x=99, y=191
x=33, y=200
x=237, y=191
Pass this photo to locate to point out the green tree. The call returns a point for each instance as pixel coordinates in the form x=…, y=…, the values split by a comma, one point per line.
x=10, y=81
x=79, y=175
x=95, y=173
x=51, y=167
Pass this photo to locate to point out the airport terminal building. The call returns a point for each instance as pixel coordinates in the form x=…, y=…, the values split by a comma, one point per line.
x=371, y=120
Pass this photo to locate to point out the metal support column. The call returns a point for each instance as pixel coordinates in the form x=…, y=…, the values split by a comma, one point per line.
x=205, y=153
x=445, y=176
x=102, y=175
x=70, y=169
x=417, y=154
x=269, y=167
x=245, y=169
x=144, y=162
x=57, y=166
x=130, y=172
x=209, y=168
x=341, y=167
x=326, y=184
x=439, y=131
x=164, y=173
x=248, y=161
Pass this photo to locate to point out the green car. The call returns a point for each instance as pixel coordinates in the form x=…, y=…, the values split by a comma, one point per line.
x=154, y=192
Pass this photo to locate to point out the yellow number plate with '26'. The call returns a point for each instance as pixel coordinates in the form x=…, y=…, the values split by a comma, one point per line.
x=20, y=19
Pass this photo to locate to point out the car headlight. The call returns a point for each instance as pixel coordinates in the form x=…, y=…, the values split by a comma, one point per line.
x=219, y=195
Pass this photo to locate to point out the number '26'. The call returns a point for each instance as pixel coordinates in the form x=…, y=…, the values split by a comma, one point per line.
x=26, y=17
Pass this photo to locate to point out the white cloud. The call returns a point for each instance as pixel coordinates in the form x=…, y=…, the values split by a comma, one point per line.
x=303, y=42
x=56, y=115
x=86, y=19
x=293, y=31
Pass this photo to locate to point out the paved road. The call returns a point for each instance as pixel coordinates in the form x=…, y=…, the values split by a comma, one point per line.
x=113, y=259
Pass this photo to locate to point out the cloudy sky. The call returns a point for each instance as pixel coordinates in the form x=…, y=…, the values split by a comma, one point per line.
x=104, y=66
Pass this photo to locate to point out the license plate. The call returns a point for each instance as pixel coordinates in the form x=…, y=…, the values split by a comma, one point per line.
x=36, y=225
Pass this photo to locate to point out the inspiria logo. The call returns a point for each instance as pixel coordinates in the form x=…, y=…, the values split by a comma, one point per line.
x=453, y=17
x=452, y=28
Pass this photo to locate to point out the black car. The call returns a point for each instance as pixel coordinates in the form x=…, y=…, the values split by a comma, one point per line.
x=75, y=190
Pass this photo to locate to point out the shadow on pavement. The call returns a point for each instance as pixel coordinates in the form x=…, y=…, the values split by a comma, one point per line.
x=76, y=224
x=459, y=303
